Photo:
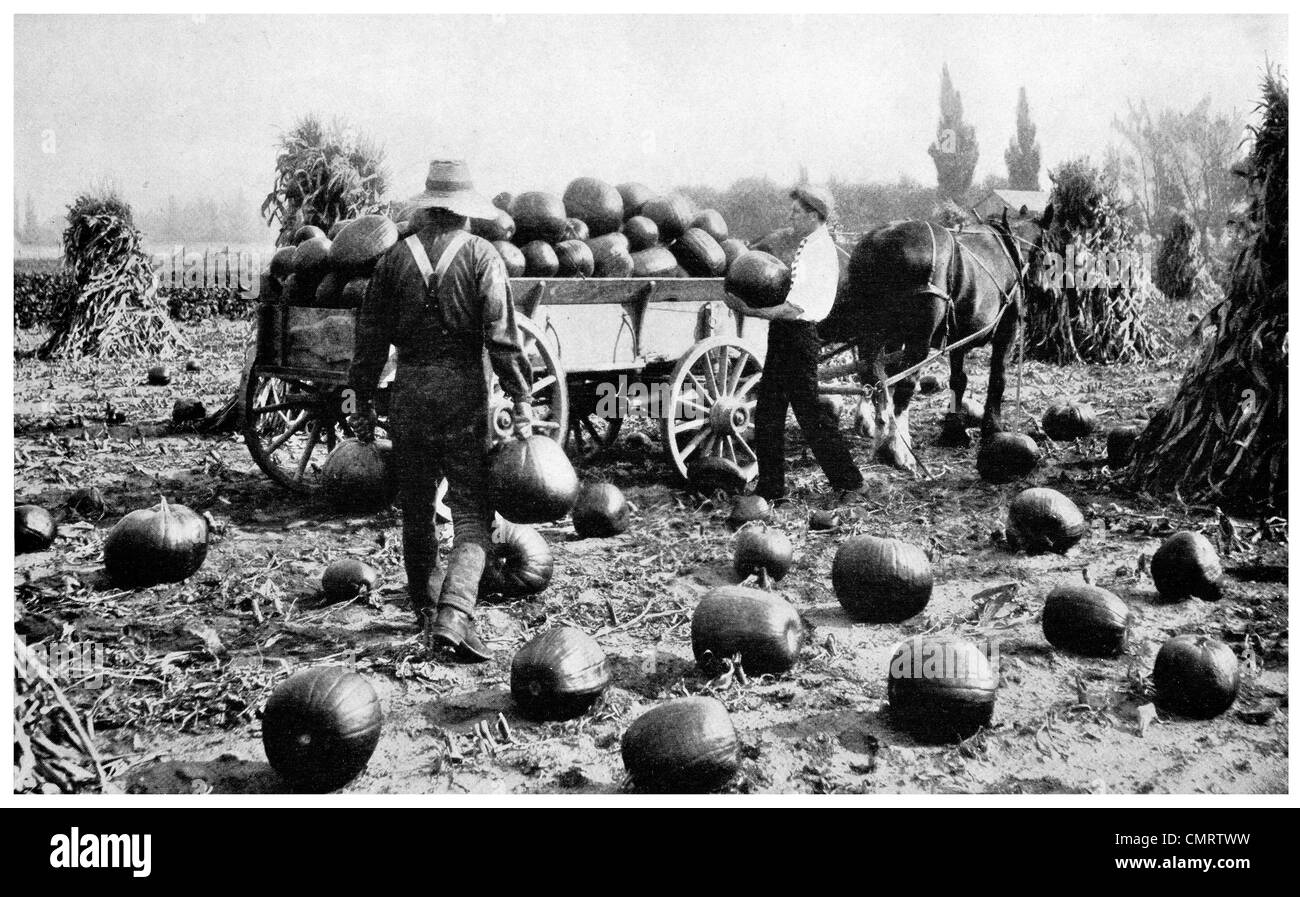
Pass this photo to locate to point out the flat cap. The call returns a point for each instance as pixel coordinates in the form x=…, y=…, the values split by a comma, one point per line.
x=818, y=199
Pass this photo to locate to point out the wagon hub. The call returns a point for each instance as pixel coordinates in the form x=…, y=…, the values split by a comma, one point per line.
x=728, y=416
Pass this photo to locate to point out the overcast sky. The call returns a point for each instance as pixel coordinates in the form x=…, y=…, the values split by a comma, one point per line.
x=192, y=106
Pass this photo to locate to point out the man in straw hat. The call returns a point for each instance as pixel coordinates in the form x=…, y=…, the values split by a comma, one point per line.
x=790, y=368
x=442, y=297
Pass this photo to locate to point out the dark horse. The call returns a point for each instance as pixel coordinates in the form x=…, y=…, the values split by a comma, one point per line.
x=912, y=287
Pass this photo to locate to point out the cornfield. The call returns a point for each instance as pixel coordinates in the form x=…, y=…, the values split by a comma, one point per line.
x=1223, y=438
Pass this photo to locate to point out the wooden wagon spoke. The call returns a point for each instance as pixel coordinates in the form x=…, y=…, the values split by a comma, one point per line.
x=313, y=437
x=745, y=445
x=713, y=380
x=296, y=425
x=690, y=426
x=687, y=403
x=305, y=402
x=734, y=380
x=704, y=437
x=749, y=384
x=700, y=388
x=549, y=426
x=724, y=357
x=544, y=383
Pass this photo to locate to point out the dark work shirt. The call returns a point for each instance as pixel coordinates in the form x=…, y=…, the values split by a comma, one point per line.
x=474, y=310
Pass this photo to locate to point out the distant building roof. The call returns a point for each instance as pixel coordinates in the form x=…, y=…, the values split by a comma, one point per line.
x=1034, y=200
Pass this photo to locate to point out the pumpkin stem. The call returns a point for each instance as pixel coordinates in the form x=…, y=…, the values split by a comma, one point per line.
x=764, y=581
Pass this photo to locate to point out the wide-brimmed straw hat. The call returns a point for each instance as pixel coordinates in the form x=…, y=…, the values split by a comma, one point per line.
x=450, y=187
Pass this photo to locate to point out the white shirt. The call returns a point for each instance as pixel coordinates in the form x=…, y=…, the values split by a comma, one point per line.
x=814, y=276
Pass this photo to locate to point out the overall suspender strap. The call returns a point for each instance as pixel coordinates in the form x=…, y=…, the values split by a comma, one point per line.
x=431, y=277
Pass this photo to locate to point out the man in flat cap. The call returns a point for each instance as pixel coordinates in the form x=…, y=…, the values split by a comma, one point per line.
x=790, y=368
x=442, y=297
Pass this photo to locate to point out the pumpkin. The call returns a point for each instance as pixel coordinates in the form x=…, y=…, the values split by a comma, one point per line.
x=312, y=258
x=656, y=261
x=1069, y=421
x=282, y=262
x=763, y=628
x=503, y=200
x=308, y=232
x=188, y=411
x=881, y=580
x=330, y=289
x=540, y=259
x=699, y=254
x=733, y=249
x=88, y=502
x=34, y=529
x=363, y=241
x=575, y=259
x=761, y=547
x=671, y=215
x=596, y=203
x=685, y=745
x=600, y=511
x=499, y=227
x=711, y=222
x=576, y=229
x=760, y=279
x=1195, y=676
x=159, y=375
x=823, y=520
x=1004, y=457
x=347, y=579
x=641, y=233
x=929, y=385
x=558, y=675
x=300, y=290
x=634, y=196
x=611, y=255
x=538, y=216
x=513, y=258
x=1085, y=619
x=531, y=480
x=1119, y=446
x=357, y=475
x=354, y=292
x=165, y=543
x=941, y=688
x=521, y=563
x=747, y=509
x=1044, y=520
x=320, y=727
x=711, y=474
x=192, y=366
x=1186, y=564
x=337, y=226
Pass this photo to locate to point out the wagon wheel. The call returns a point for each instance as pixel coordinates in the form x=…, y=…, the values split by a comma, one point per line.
x=291, y=425
x=711, y=405
x=550, y=391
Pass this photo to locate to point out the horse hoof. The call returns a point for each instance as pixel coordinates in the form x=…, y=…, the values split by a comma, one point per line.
x=953, y=433
x=896, y=456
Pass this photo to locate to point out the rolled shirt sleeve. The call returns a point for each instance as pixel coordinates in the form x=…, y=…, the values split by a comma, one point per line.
x=814, y=276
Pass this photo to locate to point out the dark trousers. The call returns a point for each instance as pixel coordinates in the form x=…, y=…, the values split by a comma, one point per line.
x=790, y=380
x=439, y=428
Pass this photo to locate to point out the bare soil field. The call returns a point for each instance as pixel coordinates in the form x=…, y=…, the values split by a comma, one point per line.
x=189, y=666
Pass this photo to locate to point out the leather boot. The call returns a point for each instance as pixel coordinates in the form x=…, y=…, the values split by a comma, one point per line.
x=453, y=625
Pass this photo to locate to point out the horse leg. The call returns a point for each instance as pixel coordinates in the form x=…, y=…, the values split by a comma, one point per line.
x=953, y=434
x=865, y=418
x=1003, y=339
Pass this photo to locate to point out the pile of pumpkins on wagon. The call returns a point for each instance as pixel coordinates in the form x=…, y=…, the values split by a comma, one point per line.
x=594, y=230
x=321, y=726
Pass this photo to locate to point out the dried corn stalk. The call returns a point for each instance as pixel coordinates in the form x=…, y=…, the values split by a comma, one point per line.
x=53, y=752
x=1224, y=435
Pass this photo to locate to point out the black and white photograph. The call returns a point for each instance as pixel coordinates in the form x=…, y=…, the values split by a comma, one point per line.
x=684, y=407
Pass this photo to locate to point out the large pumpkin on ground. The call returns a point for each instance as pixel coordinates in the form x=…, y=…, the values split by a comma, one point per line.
x=600, y=511
x=1044, y=520
x=596, y=203
x=682, y=746
x=521, y=562
x=357, y=475
x=34, y=529
x=348, y=579
x=760, y=547
x=1186, y=564
x=941, y=688
x=881, y=580
x=531, y=480
x=1069, y=420
x=558, y=675
x=165, y=543
x=538, y=216
x=363, y=240
x=1195, y=676
x=1085, y=619
x=1004, y=457
x=760, y=279
x=321, y=726
x=763, y=628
